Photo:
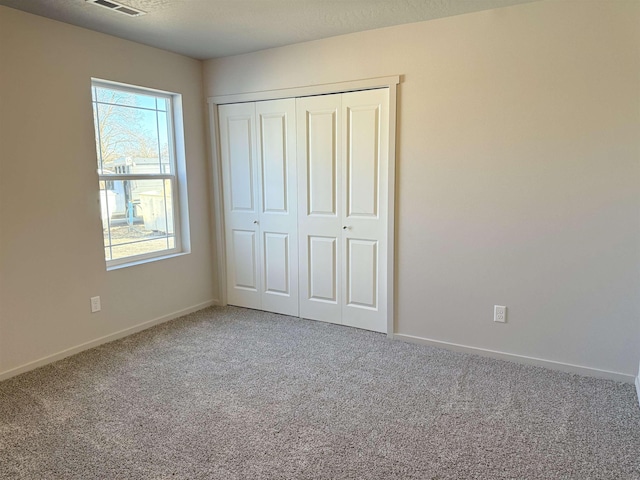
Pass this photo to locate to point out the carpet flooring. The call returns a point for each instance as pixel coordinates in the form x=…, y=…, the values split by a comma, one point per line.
x=229, y=393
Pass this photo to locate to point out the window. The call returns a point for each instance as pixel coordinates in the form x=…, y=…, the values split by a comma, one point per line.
x=138, y=172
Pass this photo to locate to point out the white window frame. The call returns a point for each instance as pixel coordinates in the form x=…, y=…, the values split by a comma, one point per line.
x=177, y=177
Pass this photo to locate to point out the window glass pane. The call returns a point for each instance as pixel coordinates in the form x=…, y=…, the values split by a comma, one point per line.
x=97, y=134
x=163, y=104
x=163, y=139
x=107, y=208
x=128, y=139
x=157, y=206
x=119, y=97
x=140, y=248
x=138, y=216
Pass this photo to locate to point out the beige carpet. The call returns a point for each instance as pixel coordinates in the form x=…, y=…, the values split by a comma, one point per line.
x=228, y=393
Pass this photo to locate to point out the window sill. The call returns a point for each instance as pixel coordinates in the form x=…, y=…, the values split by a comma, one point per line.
x=146, y=260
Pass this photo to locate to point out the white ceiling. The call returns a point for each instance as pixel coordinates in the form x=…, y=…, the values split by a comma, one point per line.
x=215, y=28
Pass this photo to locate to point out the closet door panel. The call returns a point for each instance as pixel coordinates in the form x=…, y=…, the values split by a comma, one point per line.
x=244, y=246
x=240, y=163
x=319, y=217
x=323, y=268
x=276, y=127
x=362, y=169
x=322, y=175
x=241, y=212
x=362, y=273
x=273, y=156
x=276, y=261
x=364, y=242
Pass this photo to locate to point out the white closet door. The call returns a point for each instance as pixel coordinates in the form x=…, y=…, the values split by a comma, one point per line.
x=277, y=187
x=241, y=204
x=319, y=216
x=365, y=147
x=306, y=222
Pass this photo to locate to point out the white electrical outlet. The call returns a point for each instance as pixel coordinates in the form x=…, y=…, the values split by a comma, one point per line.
x=500, y=313
x=95, y=304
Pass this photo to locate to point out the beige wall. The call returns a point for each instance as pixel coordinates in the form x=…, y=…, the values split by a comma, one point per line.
x=51, y=258
x=517, y=177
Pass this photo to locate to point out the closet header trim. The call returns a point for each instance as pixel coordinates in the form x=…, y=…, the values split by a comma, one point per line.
x=306, y=91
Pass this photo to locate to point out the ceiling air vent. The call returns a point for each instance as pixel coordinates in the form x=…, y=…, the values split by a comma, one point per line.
x=117, y=7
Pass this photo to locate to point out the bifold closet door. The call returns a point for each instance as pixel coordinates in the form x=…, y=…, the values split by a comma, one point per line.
x=319, y=216
x=278, y=224
x=365, y=166
x=342, y=217
x=257, y=143
x=241, y=214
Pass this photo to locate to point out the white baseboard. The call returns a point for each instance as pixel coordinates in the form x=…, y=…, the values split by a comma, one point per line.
x=638, y=387
x=99, y=341
x=552, y=364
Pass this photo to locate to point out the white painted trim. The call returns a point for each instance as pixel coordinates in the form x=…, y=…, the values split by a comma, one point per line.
x=216, y=182
x=99, y=341
x=389, y=82
x=523, y=359
x=391, y=212
x=127, y=87
x=306, y=91
x=142, y=260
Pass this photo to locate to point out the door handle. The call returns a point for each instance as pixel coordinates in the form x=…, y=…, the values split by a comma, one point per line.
x=345, y=227
x=255, y=222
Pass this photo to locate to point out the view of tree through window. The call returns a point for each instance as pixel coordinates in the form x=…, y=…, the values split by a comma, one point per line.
x=136, y=167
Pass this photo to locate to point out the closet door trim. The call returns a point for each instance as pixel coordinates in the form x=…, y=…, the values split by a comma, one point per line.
x=308, y=91
x=216, y=184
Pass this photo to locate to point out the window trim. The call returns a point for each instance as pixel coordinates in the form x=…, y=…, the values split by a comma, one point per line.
x=177, y=175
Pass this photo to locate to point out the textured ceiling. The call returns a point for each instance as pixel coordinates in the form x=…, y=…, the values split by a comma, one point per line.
x=215, y=28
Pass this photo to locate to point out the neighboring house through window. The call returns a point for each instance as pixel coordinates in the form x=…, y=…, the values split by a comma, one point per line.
x=141, y=172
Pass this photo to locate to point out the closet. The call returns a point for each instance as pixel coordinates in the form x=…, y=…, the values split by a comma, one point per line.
x=305, y=194
x=257, y=143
